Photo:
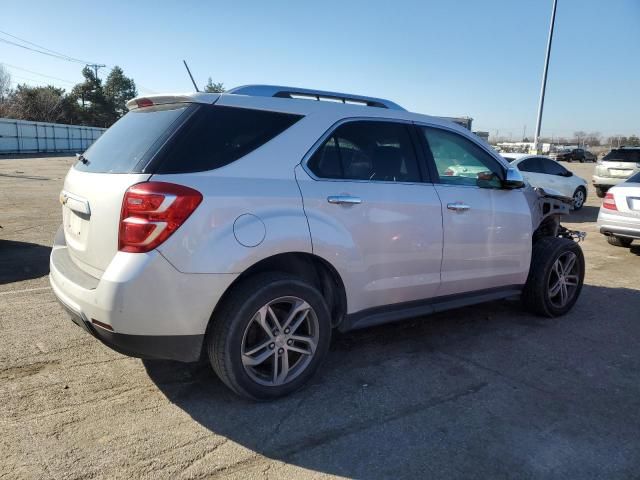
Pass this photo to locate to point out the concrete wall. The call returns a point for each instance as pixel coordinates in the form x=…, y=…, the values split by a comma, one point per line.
x=23, y=136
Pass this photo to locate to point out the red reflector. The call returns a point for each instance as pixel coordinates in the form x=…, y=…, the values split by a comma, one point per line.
x=609, y=202
x=102, y=325
x=144, y=102
x=151, y=212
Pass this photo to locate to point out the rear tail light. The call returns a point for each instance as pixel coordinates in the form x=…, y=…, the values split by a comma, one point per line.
x=448, y=172
x=609, y=202
x=151, y=212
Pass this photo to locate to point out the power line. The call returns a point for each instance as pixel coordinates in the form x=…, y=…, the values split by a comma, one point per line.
x=41, y=49
x=37, y=73
x=59, y=57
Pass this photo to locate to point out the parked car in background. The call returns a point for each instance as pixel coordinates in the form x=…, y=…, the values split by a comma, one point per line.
x=247, y=226
x=615, y=167
x=543, y=172
x=619, y=217
x=577, y=154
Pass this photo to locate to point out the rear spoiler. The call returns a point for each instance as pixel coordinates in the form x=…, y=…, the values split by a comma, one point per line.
x=151, y=100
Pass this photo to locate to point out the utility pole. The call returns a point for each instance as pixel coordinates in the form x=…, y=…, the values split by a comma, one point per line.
x=95, y=67
x=544, y=76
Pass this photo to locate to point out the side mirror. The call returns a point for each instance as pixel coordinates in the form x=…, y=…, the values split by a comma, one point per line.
x=568, y=173
x=513, y=179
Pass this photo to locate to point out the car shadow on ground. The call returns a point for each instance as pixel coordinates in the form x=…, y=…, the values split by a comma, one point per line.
x=586, y=214
x=22, y=261
x=466, y=385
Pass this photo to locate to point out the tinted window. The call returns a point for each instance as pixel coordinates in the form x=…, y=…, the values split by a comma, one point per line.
x=131, y=141
x=552, y=168
x=530, y=165
x=459, y=161
x=634, y=179
x=623, y=155
x=216, y=136
x=367, y=150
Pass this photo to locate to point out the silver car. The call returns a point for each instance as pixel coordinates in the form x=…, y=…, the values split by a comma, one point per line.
x=619, y=217
x=615, y=167
x=247, y=226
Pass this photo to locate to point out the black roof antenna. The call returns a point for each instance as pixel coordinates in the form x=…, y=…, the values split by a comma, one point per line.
x=190, y=76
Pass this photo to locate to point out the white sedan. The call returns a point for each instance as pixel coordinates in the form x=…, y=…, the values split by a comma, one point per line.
x=543, y=172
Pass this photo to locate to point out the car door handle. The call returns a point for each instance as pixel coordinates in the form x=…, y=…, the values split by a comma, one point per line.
x=344, y=200
x=458, y=207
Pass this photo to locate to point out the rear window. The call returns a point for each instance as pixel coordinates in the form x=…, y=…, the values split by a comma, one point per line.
x=215, y=136
x=623, y=155
x=129, y=144
x=634, y=179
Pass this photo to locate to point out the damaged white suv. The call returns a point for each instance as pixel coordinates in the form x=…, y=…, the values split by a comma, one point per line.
x=247, y=226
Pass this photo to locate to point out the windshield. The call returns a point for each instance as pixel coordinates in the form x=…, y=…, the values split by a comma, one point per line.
x=129, y=144
x=623, y=155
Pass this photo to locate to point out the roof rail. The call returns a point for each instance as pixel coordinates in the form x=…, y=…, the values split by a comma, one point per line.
x=305, y=93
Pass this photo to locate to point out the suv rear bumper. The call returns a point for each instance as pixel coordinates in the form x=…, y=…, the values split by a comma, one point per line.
x=148, y=309
x=599, y=181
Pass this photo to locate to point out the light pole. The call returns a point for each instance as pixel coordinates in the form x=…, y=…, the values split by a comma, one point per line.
x=544, y=76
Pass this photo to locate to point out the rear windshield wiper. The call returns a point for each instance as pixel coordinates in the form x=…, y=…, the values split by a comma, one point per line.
x=80, y=157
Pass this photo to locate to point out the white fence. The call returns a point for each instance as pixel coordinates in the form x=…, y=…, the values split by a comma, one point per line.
x=23, y=136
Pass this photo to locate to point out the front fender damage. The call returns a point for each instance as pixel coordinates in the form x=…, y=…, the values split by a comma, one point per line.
x=547, y=206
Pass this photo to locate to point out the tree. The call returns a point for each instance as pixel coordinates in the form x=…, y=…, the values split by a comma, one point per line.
x=5, y=83
x=211, y=87
x=42, y=104
x=97, y=110
x=5, y=90
x=118, y=90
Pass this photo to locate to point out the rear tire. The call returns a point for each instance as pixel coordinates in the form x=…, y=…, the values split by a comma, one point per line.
x=601, y=192
x=555, y=278
x=256, y=328
x=619, y=241
x=579, y=197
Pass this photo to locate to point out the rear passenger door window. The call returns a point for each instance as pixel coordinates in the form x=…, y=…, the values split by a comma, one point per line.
x=552, y=168
x=367, y=150
x=531, y=165
x=459, y=161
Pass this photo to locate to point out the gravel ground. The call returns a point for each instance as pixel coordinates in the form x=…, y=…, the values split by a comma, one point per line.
x=481, y=392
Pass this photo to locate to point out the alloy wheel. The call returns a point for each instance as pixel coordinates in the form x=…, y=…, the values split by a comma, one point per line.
x=578, y=199
x=564, y=278
x=280, y=341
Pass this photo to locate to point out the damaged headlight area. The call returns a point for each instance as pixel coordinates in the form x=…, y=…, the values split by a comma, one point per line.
x=547, y=206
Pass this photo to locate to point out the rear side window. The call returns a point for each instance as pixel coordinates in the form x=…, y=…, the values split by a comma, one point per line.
x=623, y=156
x=367, y=150
x=552, y=168
x=215, y=136
x=128, y=145
x=531, y=165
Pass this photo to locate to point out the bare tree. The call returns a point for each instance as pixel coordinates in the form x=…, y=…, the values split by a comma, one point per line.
x=5, y=83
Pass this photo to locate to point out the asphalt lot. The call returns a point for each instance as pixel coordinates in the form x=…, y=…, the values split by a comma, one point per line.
x=480, y=392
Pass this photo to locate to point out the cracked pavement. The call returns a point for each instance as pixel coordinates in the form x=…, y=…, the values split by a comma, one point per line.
x=481, y=392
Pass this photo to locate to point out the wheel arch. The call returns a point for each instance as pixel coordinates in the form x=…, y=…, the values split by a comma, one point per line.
x=315, y=270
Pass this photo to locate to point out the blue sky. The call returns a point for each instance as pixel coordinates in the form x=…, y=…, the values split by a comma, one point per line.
x=460, y=57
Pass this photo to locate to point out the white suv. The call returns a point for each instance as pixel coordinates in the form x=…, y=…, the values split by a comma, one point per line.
x=248, y=225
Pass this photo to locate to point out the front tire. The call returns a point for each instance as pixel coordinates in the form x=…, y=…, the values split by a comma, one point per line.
x=579, y=197
x=555, y=277
x=619, y=241
x=269, y=336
